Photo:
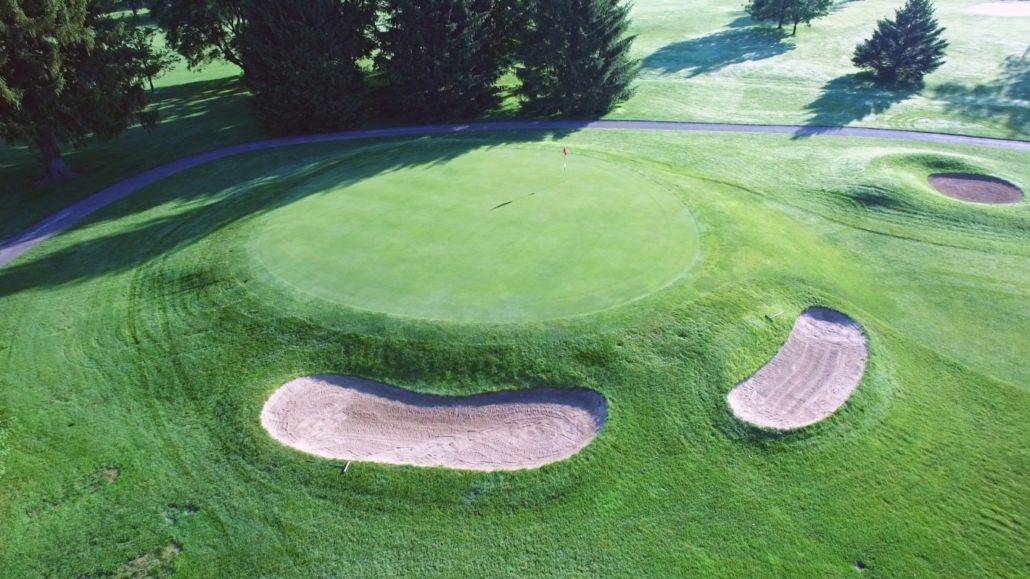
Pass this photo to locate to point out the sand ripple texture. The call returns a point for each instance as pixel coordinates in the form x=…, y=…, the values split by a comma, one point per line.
x=346, y=418
x=811, y=376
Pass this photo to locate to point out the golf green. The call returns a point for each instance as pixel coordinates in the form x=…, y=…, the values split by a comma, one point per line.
x=499, y=235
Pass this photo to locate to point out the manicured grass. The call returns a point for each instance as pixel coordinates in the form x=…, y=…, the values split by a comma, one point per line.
x=136, y=350
x=142, y=341
x=501, y=235
x=706, y=61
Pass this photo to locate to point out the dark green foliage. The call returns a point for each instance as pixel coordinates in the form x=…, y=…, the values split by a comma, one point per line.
x=157, y=61
x=768, y=10
x=575, y=57
x=905, y=49
x=442, y=58
x=202, y=31
x=300, y=63
x=784, y=11
x=134, y=5
x=67, y=72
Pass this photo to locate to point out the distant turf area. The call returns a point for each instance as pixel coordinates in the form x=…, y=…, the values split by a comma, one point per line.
x=660, y=269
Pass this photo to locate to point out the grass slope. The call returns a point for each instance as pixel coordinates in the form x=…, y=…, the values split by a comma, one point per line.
x=140, y=345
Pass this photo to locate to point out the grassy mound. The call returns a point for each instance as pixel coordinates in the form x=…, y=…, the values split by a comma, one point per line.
x=497, y=236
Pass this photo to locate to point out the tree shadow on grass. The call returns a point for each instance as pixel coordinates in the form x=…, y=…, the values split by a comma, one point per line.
x=716, y=51
x=194, y=117
x=847, y=99
x=1005, y=99
x=741, y=22
x=208, y=198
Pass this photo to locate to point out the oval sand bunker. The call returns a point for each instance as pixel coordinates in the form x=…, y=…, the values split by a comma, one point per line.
x=975, y=188
x=811, y=376
x=346, y=418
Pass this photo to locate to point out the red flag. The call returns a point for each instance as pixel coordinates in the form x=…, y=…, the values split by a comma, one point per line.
x=564, y=151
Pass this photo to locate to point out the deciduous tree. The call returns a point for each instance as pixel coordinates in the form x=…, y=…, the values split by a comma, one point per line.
x=788, y=11
x=202, y=31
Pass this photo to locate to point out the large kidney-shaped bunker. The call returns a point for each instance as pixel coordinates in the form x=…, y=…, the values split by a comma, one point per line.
x=812, y=375
x=347, y=418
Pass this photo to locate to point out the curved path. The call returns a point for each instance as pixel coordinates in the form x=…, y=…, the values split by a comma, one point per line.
x=14, y=247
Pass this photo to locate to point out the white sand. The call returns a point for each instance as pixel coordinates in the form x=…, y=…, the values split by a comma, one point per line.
x=346, y=418
x=1000, y=9
x=811, y=376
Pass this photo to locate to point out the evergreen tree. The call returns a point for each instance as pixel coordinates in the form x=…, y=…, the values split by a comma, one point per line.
x=68, y=72
x=575, y=57
x=784, y=11
x=442, y=58
x=905, y=49
x=300, y=63
x=202, y=31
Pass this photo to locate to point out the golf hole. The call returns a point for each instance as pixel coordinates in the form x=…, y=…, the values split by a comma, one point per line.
x=500, y=235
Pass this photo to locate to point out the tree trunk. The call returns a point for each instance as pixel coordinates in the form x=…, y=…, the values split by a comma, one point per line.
x=56, y=168
x=795, y=31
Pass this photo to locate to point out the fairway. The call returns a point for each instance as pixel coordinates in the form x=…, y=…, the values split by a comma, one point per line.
x=499, y=235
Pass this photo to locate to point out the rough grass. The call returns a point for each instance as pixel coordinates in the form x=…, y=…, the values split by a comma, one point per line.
x=140, y=342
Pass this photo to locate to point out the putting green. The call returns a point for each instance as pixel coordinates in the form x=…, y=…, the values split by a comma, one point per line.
x=500, y=235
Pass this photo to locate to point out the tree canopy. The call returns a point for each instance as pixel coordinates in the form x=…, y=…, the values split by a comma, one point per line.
x=788, y=11
x=904, y=50
x=442, y=58
x=202, y=31
x=68, y=72
x=575, y=57
x=300, y=61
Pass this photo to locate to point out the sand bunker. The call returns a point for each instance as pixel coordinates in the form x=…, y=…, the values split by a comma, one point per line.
x=976, y=188
x=345, y=418
x=811, y=376
x=1000, y=9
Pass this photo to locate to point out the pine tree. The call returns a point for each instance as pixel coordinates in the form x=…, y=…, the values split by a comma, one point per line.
x=68, y=73
x=300, y=63
x=784, y=11
x=905, y=49
x=575, y=57
x=442, y=58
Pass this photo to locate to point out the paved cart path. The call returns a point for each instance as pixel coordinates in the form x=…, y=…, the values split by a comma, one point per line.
x=12, y=248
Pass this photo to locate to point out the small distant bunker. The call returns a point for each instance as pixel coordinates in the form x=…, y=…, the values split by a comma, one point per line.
x=346, y=418
x=811, y=376
x=976, y=188
x=1000, y=9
